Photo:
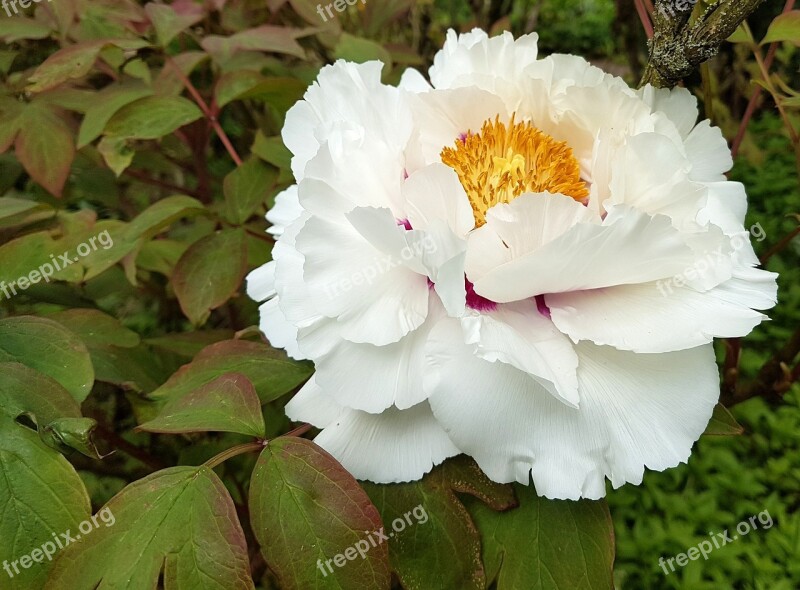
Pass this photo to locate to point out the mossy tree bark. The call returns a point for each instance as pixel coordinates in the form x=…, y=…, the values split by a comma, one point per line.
x=679, y=44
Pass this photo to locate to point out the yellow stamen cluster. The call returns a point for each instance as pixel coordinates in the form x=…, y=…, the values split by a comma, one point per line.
x=503, y=162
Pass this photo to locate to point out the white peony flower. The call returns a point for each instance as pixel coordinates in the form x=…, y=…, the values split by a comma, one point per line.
x=525, y=261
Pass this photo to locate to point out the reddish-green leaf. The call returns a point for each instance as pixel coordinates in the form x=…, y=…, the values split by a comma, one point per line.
x=226, y=404
x=265, y=38
x=18, y=27
x=209, y=273
x=547, y=544
x=71, y=62
x=169, y=22
x=153, y=117
x=785, y=27
x=247, y=188
x=434, y=543
x=307, y=510
x=270, y=371
x=48, y=347
x=110, y=100
x=180, y=521
x=45, y=146
x=723, y=423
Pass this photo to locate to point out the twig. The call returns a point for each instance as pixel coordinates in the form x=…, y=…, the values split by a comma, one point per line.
x=751, y=105
x=129, y=449
x=644, y=16
x=209, y=114
x=774, y=378
x=141, y=176
x=779, y=246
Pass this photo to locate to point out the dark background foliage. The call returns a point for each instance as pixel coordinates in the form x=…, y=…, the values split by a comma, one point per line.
x=156, y=126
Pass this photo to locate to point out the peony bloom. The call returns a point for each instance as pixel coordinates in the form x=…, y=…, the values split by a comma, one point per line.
x=523, y=260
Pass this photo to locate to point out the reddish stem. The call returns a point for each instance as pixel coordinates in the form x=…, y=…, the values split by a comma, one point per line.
x=210, y=115
x=779, y=246
x=644, y=17
x=751, y=104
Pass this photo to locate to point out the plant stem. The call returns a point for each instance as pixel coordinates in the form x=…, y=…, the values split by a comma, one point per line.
x=210, y=115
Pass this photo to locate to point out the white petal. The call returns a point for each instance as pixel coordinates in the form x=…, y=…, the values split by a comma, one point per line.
x=517, y=334
x=726, y=206
x=708, y=152
x=629, y=247
x=279, y=332
x=636, y=411
x=414, y=81
x=514, y=229
x=474, y=56
x=373, y=178
x=435, y=193
x=389, y=375
x=663, y=189
x=311, y=405
x=373, y=296
x=286, y=211
x=261, y=282
x=651, y=317
x=442, y=116
x=394, y=446
x=678, y=104
x=351, y=94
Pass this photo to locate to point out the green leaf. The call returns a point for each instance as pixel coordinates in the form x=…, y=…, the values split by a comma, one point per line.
x=209, y=273
x=233, y=85
x=108, y=101
x=48, y=347
x=29, y=253
x=96, y=328
x=153, y=117
x=160, y=215
x=117, y=354
x=785, y=27
x=740, y=35
x=270, y=371
x=19, y=27
x=14, y=211
x=246, y=189
x=442, y=548
x=265, y=38
x=272, y=150
x=547, y=544
x=69, y=63
x=168, y=22
x=71, y=433
x=40, y=492
x=181, y=521
x=42, y=496
x=723, y=423
x=226, y=404
x=10, y=111
x=189, y=344
x=117, y=153
x=361, y=50
x=45, y=146
x=26, y=391
x=280, y=93
x=306, y=509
